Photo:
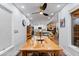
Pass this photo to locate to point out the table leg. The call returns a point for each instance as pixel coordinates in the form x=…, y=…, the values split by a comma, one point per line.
x=23, y=53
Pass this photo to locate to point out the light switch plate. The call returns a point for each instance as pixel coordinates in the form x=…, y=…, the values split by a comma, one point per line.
x=15, y=31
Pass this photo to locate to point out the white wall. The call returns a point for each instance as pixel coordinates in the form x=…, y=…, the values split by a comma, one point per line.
x=5, y=28
x=65, y=33
x=17, y=38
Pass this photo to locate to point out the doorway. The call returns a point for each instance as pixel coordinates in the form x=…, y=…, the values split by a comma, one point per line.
x=75, y=27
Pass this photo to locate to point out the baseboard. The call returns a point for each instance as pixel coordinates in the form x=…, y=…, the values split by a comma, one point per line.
x=74, y=48
x=4, y=51
x=18, y=54
x=67, y=53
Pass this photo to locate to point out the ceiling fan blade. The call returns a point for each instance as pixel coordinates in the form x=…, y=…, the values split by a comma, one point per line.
x=35, y=12
x=43, y=7
x=45, y=14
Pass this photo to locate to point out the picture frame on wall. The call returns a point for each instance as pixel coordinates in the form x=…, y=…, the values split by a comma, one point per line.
x=62, y=22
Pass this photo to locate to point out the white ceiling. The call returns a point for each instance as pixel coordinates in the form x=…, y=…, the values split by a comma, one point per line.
x=29, y=8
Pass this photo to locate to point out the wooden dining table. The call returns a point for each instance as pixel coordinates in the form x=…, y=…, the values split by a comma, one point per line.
x=47, y=46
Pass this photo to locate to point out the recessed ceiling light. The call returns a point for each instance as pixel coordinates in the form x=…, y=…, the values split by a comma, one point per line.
x=41, y=12
x=52, y=13
x=58, y=6
x=48, y=17
x=22, y=6
x=28, y=14
x=31, y=18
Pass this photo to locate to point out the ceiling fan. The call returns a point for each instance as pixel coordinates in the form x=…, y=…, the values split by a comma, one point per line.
x=42, y=8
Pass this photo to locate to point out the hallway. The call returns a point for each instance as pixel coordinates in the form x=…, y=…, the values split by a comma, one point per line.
x=39, y=29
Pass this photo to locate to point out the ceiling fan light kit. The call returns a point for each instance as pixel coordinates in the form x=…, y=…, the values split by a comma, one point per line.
x=42, y=8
